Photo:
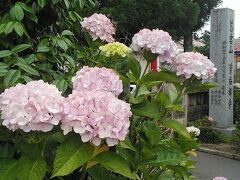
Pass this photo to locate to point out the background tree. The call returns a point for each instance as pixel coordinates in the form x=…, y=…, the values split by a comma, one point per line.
x=179, y=17
x=205, y=39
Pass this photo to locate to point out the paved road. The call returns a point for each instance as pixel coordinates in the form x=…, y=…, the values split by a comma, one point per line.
x=209, y=166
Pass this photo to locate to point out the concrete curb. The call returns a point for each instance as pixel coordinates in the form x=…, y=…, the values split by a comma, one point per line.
x=219, y=153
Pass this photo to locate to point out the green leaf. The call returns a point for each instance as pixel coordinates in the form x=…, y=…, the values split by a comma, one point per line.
x=152, y=132
x=160, y=76
x=3, y=72
x=67, y=33
x=61, y=84
x=16, y=12
x=114, y=162
x=177, y=127
x=70, y=155
x=25, y=7
x=11, y=77
x=42, y=3
x=18, y=28
x=126, y=144
x=163, y=155
x=149, y=56
x=8, y=28
x=81, y=3
x=26, y=78
x=20, y=48
x=3, y=65
x=28, y=68
x=135, y=66
x=8, y=169
x=67, y=3
x=5, y=53
x=165, y=176
x=99, y=173
x=6, y=151
x=29, y=169
x=181, y=170
x=43, y=46
x=62, y=44
x=146, y=109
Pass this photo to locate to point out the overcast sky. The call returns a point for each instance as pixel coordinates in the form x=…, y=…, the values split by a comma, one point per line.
x=235, y=5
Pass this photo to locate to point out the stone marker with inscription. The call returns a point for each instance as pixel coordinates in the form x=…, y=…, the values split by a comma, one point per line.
x=222, y=55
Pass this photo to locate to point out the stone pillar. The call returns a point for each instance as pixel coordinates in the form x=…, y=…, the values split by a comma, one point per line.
x=222, y=55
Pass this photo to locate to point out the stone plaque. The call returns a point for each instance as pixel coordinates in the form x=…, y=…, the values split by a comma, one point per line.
x=222, y=55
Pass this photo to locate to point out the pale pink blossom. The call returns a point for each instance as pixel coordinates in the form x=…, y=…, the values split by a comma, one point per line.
x=96, y=115
x=194, y=64
x=97, y=79
x=220, y=178
x=34, y=106
x=156, y=41
x=99, y=26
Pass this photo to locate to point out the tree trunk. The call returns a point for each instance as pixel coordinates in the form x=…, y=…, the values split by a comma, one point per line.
x=188, y=42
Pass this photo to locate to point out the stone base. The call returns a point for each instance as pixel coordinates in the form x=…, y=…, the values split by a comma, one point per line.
x=228, y=131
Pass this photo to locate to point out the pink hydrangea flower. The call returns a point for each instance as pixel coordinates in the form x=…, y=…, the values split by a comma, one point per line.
x=157, y=41
x=194, y=64
x=97, y=79
x=96, y=115
x=220, y=178
x=99, y=26
x=34, y=106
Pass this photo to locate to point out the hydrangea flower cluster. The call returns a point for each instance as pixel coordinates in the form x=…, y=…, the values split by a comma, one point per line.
x=99, y=26
x=115, y=49
x=96, y=115
x=193, y=130
x=157, y=41
x=220, y=178
x=36, y=106
x=97, y=79
x=190, y=63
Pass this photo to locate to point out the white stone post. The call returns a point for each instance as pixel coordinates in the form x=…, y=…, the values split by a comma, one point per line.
x=222, y=55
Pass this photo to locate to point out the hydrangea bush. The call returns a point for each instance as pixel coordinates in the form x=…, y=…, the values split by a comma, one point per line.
x=82, y=121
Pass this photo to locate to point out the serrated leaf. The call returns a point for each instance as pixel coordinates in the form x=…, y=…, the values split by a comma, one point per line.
x=100, y=173
x=61, y=84
x=67, y=3
x=20, y=48
x=62, y=44
x=25, y=7
x=6, y=151
x=41, y=3
x=26, y=78
x=70, y=155
x=28, y=68
x=3, y=72
x=16, y=12
x=8, y=28
x=146, y=109
x=135, y=66
x=18, y=28
x=177, y=127
x=114, y=162
x=152, y=132
x=5, y=53
x=126, y=144
x=29, y=169
x=160, y=76
x=11, y=77
x=164, y=155
x=67, y=33
x=43, y=46
x=7, y=169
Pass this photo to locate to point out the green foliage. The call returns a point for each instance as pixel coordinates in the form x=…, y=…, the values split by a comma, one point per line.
x=43, y=39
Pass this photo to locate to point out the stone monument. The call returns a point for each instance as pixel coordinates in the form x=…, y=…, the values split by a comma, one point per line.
x=222, y=55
